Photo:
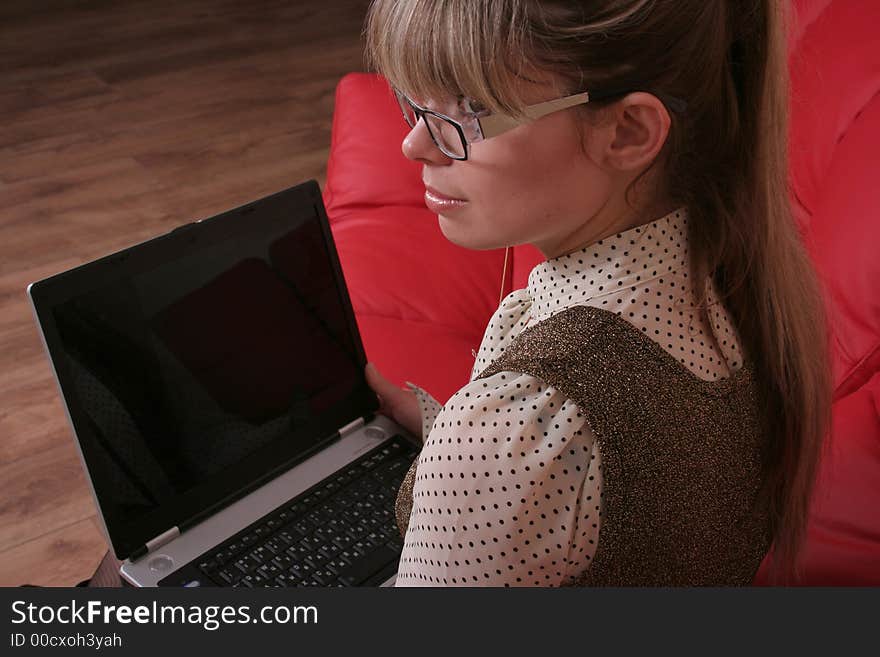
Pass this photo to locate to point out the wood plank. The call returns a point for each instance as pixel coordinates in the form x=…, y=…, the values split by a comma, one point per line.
x=62, y=557
x=42, y=492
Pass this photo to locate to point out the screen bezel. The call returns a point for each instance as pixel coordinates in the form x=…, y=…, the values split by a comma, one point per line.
x=128, y=536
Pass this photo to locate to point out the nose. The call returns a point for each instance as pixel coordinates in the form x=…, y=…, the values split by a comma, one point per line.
x=419, y=147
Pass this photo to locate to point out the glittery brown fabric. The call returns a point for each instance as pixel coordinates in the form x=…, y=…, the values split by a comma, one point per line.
x=680, y=455
x=403, y=503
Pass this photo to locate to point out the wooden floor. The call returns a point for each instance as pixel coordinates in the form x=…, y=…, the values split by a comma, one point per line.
x=121, y=120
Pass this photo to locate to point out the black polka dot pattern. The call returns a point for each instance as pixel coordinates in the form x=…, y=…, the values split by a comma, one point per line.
x=641, y=275
x=428, y=405
x=508, y=490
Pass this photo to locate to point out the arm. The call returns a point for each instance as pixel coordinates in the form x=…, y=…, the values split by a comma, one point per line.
x=507, y=491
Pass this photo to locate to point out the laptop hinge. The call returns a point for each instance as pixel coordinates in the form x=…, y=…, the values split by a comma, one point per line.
x=162, y=539
x=351, y=427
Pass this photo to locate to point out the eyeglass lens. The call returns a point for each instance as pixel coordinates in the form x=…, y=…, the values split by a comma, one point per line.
x=444, y=134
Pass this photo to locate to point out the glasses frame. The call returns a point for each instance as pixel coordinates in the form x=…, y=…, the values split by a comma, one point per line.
x=486, y=125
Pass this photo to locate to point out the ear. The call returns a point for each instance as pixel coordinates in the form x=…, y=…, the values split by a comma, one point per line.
x=636, y=130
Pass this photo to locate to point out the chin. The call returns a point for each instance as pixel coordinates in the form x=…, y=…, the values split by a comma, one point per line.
x=454, y=231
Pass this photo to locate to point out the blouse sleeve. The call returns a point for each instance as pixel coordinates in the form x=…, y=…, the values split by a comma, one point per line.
x=428, y=406
x=507, y=489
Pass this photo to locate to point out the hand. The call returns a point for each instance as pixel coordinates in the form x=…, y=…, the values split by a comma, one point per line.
x=400, y=404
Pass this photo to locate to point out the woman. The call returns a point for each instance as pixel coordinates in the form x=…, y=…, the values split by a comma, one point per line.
x=651, y=409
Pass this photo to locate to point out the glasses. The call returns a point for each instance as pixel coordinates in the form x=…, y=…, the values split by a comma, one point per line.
x=452, y=136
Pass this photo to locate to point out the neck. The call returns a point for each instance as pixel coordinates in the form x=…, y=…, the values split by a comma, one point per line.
x=611, y=218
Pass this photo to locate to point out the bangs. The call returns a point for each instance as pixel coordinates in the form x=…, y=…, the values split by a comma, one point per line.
x=441, y=48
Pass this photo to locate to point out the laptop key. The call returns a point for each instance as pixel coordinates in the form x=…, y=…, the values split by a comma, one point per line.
x=229, y=575
x=330, y=550
x=323, y=577
x=368, y=484
x=368, y=565
x=343, y=541
x=373, y=539
x=275, y=545
x=326, y=534
x=288, y=537
x=246, y=564
x=355, y=530
x=302, y=527
x=283, y=561
x=286, y=580
x=223, y=556
x=388, y=532
x=354, y=520
x=344, y=477
x=298, y=552
x=372, y=523
x=335, y=524
x=269, y=570
x=314, y=542
x=301, y=570
x=348, y=557
x=259, y=554
x=316, y=560
x=336, y=566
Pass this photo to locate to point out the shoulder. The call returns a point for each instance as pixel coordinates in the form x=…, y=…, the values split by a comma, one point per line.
x=584, y=342
x=505, y=407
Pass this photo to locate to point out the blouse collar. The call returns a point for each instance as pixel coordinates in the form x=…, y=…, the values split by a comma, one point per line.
x=627, y=259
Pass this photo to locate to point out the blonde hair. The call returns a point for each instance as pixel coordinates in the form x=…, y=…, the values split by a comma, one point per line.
x=725, y=159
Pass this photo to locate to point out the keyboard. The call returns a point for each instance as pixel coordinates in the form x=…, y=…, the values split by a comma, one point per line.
x=340, y=532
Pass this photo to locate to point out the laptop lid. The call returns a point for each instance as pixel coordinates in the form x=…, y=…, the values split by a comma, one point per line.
x=199, y=364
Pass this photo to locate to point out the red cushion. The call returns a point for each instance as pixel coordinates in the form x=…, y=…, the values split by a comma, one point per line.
x=843, y=240
x=366, y=166
x=843, y=543
x=409, y=350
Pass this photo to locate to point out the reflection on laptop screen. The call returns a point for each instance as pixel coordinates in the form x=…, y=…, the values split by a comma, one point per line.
x=188, y=368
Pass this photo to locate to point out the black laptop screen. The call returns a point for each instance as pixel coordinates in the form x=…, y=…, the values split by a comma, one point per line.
x=207, y=358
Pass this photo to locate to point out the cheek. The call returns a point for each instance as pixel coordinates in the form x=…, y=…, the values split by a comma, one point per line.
x=530, y=175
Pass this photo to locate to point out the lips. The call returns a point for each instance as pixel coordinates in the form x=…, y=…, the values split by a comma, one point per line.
x=439, y=203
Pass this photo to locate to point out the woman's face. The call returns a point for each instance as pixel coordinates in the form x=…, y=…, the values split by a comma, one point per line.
x=533, y=184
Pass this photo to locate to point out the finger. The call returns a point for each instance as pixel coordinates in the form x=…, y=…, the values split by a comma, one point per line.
x=384, y=389
x=378, y=382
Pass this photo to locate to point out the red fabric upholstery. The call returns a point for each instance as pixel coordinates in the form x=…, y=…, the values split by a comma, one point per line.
x=422, y=303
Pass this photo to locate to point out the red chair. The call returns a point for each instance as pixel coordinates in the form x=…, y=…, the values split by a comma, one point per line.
x=422, y=303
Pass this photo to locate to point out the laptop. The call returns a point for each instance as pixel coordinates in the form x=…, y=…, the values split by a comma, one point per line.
x=214, y=380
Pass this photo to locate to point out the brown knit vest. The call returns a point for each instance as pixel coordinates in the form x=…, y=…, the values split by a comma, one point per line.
x=681, y=457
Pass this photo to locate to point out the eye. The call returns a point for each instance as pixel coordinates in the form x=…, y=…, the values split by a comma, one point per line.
x=471, y=106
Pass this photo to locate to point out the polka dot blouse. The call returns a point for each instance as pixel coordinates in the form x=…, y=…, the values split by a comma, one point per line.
x=508, y=489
